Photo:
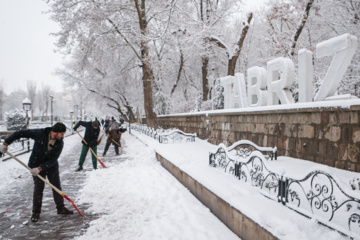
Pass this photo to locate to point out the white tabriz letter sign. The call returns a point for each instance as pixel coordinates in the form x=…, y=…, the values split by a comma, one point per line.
x=343, y=48
x=271, y=86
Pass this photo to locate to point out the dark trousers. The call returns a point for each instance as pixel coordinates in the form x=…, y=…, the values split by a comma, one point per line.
x=107, y=145
x=83, y=154
x=54, y=179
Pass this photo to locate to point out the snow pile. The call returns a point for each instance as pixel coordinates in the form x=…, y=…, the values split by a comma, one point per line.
x=140, y=200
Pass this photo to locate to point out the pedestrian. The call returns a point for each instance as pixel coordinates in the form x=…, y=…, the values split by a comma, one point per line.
x=106, y=125
x=102, y=122
x=48, y=144
x=97, y=121
x=92, y=131
x=113, y=137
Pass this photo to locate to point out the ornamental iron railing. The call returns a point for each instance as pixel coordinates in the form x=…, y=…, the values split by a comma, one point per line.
x=174, y=136
x=25, y=145
x=19, y=147
x=318, y=195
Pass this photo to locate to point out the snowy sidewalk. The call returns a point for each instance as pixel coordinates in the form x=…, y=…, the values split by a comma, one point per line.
x=134, y=198
x=16, y=199
x=139, y=199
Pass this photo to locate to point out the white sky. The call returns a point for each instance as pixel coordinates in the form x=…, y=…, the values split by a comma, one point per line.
x=26, y=47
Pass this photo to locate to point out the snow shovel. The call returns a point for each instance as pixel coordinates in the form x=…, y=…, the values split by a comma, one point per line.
x=112, y=140
x=47, y=182
x=99, y=140
x=91, y=150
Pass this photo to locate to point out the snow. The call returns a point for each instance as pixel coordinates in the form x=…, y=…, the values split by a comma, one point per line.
x=343, y=48
x=192, y=158
x=331, y=104
x=146, y=202
x=136, y=198
x=305, y=75
x=234, y=91
x=280, y=76
x=256, y=82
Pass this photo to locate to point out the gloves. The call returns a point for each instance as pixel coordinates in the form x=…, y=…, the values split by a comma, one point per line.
x=74, y=128
x=3, y=148
x=35, y=171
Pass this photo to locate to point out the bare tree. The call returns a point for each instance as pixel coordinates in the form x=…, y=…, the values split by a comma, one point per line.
x=300, y=26
x=43, y=100
x=233, y=55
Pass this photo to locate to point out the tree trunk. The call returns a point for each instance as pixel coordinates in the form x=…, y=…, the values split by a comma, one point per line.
x=240, y=43
x=300, y=27
x=232, y=65
x=179, y=72
x=204, y=71
x=148, y=78
x=148, y=75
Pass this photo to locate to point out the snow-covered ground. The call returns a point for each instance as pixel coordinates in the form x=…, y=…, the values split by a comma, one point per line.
x=193, y=159
x=138, y=199
x=141, y=200
x=135, y=196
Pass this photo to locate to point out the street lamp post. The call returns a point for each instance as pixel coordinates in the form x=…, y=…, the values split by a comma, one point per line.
x=128, y=114
x=75, y=112
x=71, y=120
x=26, y=106
x=52, y=98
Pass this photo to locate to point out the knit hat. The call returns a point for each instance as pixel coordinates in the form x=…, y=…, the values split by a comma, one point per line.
x=58, y=127
x=95, y=123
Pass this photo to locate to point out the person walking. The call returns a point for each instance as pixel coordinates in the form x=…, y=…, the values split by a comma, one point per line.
x=113, y=137
x=92, y=131
x=106, y=125
x=48, y=144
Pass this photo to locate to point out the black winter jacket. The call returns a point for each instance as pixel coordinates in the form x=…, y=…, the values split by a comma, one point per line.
x=91, y=134
x=40, y=156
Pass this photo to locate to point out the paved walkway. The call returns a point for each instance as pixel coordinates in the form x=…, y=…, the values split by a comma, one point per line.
x=17, y=200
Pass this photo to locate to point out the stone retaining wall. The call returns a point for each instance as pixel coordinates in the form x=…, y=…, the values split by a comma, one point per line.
x=329, y=136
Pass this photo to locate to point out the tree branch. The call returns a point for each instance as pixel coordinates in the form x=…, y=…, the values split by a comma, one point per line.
x=300, y=27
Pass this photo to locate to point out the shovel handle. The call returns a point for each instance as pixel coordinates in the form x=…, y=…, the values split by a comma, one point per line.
x=113, y=140
x=38, y=175
x=91, y=150
x=47, y=182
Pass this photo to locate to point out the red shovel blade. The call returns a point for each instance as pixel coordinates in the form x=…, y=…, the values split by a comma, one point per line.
x=73, y=204
x=101, y=163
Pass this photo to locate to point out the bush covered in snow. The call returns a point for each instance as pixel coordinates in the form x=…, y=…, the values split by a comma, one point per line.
x=218, y=101
x=16, y=119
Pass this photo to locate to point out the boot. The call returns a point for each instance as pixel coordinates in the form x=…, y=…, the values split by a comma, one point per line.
x=35, y=216
x=79, y=169
x=64, y=210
